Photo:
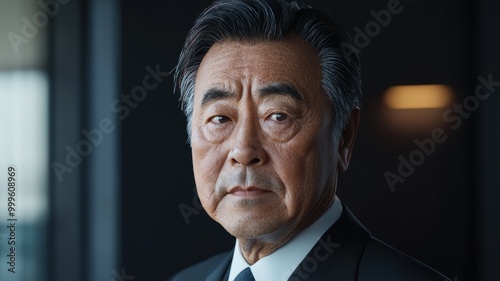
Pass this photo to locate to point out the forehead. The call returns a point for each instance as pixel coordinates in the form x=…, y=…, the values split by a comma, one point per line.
x=234, y=64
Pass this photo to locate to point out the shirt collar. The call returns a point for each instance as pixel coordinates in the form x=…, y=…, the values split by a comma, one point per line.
x=280, y=264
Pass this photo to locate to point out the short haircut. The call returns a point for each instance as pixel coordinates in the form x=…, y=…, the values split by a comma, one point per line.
x=272, y=20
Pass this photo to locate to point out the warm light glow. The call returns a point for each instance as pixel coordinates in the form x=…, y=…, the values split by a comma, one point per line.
x=418, y=96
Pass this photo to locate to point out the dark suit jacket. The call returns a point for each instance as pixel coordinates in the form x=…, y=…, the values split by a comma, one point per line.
x=345, y=252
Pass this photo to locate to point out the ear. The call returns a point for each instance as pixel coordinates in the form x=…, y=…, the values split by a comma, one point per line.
x=347, y=139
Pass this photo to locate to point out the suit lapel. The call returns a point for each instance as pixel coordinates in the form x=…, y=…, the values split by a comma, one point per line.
x=337, y=254
x=221, y=272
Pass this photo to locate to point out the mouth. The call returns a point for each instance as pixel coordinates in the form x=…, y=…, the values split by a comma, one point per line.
x=250, y=191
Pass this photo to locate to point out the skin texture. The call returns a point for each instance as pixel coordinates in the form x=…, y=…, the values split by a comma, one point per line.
x=264, y=154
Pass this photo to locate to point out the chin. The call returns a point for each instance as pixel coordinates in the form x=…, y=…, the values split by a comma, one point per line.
x=252, y=228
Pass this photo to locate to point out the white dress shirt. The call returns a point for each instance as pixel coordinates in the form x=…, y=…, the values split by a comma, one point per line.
x=280, y=264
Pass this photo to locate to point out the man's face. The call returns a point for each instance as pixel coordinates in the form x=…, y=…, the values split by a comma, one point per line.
x=264, y=155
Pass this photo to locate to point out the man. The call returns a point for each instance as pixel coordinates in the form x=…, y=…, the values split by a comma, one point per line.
x=271, y=91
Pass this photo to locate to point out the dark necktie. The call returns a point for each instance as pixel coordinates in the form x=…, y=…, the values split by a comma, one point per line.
x=245, y=275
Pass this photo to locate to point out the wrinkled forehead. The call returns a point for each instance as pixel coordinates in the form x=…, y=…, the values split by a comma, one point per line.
x=232, y=64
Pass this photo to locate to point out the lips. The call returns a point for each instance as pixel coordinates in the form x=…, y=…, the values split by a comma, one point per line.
x=248, y=191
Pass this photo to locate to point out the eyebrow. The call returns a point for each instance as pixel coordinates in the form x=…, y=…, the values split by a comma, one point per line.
x=285, y=89
x=215, y=94
x=281, y=89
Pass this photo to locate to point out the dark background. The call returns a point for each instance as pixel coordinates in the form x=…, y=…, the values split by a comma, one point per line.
x=431, y=216
x=120, y=210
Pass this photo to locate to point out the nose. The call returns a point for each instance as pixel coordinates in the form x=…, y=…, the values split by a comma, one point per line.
x=246, y=147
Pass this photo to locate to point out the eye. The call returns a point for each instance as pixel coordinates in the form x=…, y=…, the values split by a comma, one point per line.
x=279, y=116
x=219, y=119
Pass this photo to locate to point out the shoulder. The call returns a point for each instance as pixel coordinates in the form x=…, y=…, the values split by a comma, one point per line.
x=202, y=269
x=382, y=262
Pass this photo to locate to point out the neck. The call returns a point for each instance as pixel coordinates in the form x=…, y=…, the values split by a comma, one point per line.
x=253, y=249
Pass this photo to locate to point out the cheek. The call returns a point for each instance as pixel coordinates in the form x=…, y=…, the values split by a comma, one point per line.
x=207, y=164
x=305, y=167
x=294, y=170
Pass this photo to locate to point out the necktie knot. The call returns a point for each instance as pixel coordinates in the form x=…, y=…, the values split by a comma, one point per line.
x=245, y=275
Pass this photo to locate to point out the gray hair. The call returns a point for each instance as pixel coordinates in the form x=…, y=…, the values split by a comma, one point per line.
x=272, y=20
